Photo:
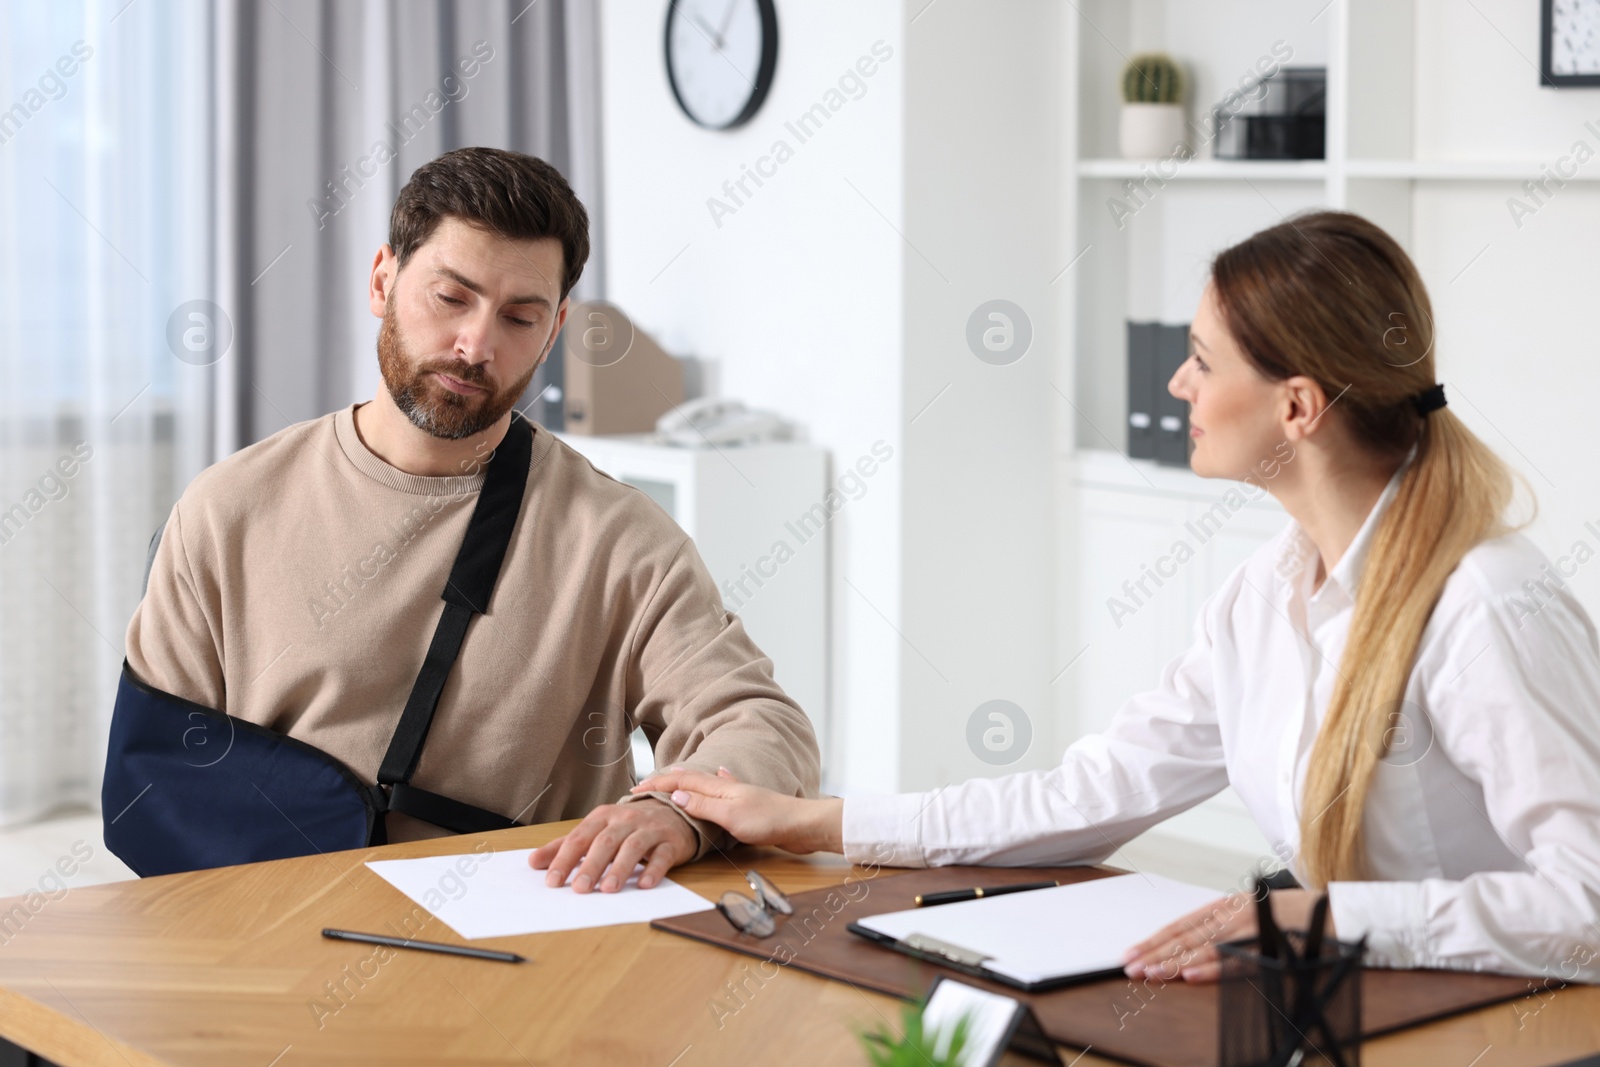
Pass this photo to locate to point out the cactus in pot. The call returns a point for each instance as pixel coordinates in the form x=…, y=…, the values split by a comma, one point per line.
x=1152, y=110
x=1152, y=78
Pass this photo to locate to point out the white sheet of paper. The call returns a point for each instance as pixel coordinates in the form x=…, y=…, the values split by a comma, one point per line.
x=1054, y=933
x=498, y=895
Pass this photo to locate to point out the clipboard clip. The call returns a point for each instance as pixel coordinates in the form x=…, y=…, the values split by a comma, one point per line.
x=945, y=950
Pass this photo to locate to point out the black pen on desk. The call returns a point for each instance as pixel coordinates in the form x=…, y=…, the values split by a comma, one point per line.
x=956, y=896
x=425, y=946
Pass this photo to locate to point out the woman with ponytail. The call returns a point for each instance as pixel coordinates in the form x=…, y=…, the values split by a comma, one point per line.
x=1412, y=730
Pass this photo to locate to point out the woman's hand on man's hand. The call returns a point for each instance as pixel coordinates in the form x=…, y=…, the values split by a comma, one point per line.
x=752, y=814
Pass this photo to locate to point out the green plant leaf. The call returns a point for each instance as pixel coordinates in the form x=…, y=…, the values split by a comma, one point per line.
x=915, y=1047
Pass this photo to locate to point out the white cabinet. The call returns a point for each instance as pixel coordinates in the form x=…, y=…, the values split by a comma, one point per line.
x=1135, y=604
x=753, y=512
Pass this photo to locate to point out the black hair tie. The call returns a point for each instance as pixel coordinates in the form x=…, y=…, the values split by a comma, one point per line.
x=1430, y=399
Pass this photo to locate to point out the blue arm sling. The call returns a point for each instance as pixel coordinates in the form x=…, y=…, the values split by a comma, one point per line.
x=187, y=787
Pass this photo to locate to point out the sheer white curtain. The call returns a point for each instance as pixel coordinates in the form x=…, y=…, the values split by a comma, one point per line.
x=103, y=215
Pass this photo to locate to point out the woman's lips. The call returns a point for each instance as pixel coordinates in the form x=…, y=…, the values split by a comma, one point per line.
x=456, y=385
x=1195, y=431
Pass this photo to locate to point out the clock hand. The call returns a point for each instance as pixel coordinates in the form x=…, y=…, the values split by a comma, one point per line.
x=727, y=17
x=708, y=33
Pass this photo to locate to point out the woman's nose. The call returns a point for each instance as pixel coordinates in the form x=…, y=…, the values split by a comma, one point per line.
x=1178, y=386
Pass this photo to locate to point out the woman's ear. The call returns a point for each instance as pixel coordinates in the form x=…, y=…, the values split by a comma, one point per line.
x=1304, y=403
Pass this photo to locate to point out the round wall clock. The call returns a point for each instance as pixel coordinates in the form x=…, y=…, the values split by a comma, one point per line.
x=720, y=58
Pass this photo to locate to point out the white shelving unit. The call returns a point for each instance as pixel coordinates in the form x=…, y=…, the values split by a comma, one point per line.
x=1316, y=170
x=1457, y=170
x=1145, y=232
x=1147, y=257
x=1298, y=170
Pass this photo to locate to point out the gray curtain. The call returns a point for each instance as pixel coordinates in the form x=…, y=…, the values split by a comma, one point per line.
x=311, y=98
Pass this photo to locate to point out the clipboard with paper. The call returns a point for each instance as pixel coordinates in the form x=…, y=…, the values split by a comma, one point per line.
x=1044, y=938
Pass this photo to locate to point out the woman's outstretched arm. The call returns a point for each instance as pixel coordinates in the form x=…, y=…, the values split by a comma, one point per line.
x=1161, y=754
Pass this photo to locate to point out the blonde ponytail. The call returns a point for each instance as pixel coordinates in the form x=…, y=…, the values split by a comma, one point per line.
x=1452, y=496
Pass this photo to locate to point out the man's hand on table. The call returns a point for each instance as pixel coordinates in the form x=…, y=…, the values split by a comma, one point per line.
x=603, y=850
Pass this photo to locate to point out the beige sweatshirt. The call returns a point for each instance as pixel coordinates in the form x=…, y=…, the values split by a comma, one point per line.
x=297, y=586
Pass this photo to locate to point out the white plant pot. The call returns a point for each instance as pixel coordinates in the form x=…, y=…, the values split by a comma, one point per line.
x=1152, y=131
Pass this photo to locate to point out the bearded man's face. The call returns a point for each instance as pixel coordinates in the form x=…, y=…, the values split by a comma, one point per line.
x=468, y=321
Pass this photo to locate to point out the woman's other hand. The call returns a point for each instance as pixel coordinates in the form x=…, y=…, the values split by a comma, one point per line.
x=1188, y=948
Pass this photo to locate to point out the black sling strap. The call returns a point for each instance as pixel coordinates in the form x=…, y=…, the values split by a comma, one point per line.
x=466, y=593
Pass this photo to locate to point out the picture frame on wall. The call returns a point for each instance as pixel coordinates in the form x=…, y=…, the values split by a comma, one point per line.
x=1569, y=43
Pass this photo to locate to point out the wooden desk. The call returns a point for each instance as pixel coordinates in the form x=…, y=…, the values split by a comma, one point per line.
x=224, y=967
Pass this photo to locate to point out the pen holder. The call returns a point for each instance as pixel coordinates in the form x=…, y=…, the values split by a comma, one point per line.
x=1272, y=1008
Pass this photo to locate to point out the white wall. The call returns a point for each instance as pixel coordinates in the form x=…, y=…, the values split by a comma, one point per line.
x=1517, y=342
x=795, y=297
x=816, y=297
x=982, y=134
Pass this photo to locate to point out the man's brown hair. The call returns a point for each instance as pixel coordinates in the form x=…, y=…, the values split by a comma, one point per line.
x=509, y=194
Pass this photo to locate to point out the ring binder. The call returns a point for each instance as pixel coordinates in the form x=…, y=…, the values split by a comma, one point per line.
x=1172, y=438
x=1144, y=389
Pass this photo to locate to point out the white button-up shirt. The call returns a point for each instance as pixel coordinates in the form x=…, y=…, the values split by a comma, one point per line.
x=1482, y=823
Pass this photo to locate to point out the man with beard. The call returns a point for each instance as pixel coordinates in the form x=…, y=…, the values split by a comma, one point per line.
x=297, y=583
